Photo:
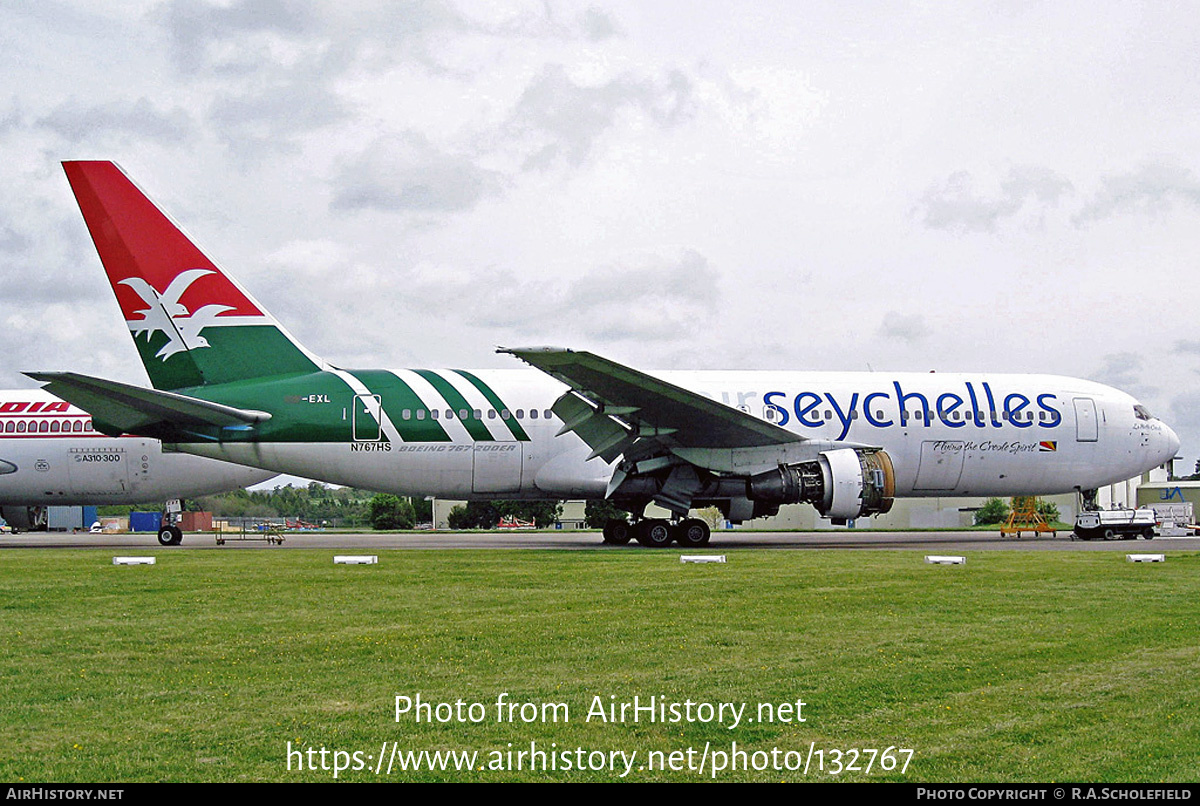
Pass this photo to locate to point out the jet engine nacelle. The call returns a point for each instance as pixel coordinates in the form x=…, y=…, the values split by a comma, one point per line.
x=842, y=484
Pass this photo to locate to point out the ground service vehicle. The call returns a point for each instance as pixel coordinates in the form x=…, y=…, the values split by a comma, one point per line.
x=1116, y=524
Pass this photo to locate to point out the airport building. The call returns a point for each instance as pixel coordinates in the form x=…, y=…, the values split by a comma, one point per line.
x=1169, y=492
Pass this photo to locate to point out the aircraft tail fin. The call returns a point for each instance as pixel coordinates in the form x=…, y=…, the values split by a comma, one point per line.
x=193, y=324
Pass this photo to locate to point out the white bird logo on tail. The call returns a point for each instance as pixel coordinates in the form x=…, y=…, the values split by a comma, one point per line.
x=166, y=314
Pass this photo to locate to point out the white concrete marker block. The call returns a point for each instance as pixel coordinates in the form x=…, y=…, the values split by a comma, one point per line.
x=356, y=559
x=1146, y=558
x=702, y=558
x=936, y=559
x=133, y=561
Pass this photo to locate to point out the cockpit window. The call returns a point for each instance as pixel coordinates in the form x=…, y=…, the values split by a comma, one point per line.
x=1142, y=413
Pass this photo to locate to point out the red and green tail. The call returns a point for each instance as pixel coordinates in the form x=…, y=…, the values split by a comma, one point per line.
x=193, y=324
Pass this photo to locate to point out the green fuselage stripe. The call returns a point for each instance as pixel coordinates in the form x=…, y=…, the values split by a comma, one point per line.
x=478, y=431
x=398, y=397
x=511, y=421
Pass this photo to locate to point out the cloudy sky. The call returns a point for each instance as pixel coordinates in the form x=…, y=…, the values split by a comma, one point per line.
x=994, y=186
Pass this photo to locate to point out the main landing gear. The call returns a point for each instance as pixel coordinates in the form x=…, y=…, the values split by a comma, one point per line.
x=657, y=533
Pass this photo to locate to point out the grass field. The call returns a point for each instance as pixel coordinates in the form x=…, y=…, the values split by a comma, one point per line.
x=1018, y=666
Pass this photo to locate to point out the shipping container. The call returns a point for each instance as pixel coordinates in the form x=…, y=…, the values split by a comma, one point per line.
x=64, y=519
x=145, y=521
x=196, y=521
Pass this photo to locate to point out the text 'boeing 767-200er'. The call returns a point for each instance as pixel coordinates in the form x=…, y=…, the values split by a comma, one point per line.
x=230, y=383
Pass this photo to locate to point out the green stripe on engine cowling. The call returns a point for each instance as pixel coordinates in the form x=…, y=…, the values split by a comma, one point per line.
x=511, y=421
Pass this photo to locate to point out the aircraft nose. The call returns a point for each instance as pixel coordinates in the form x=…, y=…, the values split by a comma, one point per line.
x=1164, y=444
x=1172, y=443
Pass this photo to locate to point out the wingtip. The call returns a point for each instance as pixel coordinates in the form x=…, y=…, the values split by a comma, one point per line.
x=538, y=349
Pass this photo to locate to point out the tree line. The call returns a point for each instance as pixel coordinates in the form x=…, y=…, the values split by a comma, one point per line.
x=349, y=507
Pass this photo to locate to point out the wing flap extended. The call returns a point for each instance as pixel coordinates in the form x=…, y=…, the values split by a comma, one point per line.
x=607, y=435
x=650, y=406
x=134, y=409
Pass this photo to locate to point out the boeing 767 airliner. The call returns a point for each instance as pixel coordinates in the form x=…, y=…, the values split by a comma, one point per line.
x=229, y=382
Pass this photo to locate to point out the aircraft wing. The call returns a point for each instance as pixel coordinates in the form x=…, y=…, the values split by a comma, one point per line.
x=612, y=405
x=137, y=410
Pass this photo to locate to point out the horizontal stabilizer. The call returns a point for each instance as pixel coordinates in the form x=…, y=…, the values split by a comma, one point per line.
x=135, y=409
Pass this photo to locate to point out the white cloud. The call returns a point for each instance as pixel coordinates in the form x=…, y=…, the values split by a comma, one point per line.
x=78, y=122
x=909, y=328
x=563, y=119
x=1151, y=188
x=958, y=204
x=1124, y=371
x=405, y=172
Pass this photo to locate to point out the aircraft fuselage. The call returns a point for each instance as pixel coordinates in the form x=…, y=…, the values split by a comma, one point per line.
x=51, y=455
x=490, y=433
